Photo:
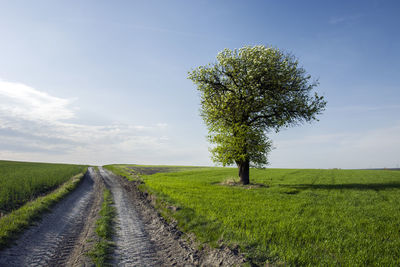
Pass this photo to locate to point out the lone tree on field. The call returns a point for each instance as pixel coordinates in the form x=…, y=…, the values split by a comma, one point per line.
x=247, y=93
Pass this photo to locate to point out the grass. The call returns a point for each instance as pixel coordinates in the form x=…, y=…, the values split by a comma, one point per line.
x=13, y=223
x=104, y=231
x=287, y=216
x=21, y=182
x=133, y=172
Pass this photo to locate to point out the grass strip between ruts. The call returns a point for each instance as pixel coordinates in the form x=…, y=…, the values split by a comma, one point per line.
x=104, y=230
x=16, y=221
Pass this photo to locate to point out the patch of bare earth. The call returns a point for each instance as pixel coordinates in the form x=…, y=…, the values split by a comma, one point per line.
x=235, y=182
x=167, y=245
x=150, y=170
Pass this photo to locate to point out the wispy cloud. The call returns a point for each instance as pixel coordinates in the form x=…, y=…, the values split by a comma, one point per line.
x=344, y=19
x=35, y=123
x=24, y=102
x=137, y=27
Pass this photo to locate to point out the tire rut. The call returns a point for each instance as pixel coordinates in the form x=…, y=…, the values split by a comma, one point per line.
x=50, y=241
x=133, y=245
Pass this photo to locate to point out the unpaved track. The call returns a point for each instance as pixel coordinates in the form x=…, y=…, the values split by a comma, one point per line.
x=51, y=241
x=133, y=245
x=144, y=238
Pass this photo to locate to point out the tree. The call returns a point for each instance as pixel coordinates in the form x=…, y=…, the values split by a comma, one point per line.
x=247, y=93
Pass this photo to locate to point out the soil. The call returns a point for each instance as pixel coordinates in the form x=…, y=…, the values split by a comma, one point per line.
x=150, y=170
x=231, y=182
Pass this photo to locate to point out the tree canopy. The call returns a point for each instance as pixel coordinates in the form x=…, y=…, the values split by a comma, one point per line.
x=247, y=93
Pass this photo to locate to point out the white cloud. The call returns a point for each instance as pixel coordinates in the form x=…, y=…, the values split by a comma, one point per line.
x=344, y=19
x=24, y=102
x=162, y=125
x=33, y=124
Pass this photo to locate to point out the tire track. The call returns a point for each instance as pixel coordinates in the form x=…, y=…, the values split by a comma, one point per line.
x=133, y=245
x=50, y=242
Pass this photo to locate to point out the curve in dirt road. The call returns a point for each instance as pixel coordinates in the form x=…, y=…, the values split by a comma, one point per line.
x=133, y=245
x=50, y=242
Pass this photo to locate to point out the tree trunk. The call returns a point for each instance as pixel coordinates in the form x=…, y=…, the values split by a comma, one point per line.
x=244, y=172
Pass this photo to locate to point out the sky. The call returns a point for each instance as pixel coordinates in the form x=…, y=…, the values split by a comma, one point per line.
x=101, y=82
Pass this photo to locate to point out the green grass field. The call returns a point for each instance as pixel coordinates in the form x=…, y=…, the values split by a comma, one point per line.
x=21, y=182
x=133, y=172
x=287, y=216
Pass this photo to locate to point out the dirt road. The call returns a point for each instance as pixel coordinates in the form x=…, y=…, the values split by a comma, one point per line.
x=52, y=241
x=142, y=236
x=133, y=246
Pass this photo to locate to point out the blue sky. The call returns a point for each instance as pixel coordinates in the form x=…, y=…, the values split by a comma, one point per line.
x=106, y=81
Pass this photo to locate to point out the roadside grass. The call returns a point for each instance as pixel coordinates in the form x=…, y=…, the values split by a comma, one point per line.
x=16, y=221
x=289, y=216
x=104, y=230
x=21, y=182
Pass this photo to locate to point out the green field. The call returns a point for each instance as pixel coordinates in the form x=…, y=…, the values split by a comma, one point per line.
x=21, y=182
x=287, y=216
x=133, y=172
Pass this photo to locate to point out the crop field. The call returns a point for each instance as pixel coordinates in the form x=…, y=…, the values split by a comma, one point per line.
x=289, y=216
x=21, y=182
